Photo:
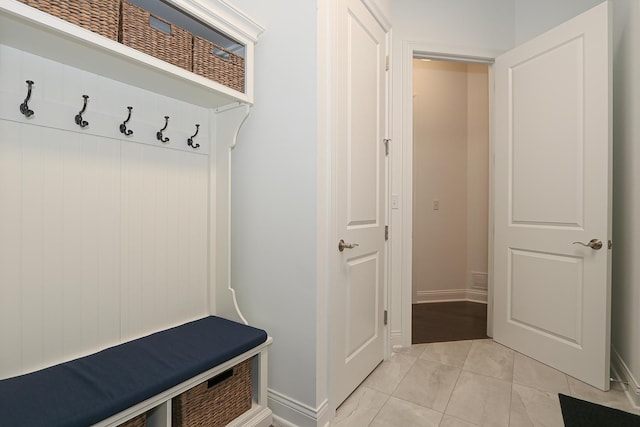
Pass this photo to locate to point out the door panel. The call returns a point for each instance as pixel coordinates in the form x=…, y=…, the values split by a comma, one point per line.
x=358, y=273
x=362, y=289
x=363, y=123
x=532, y=280
x=553, y=188
x=539, y=197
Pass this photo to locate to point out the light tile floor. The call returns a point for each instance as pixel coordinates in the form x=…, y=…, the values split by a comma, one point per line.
x=466, y=383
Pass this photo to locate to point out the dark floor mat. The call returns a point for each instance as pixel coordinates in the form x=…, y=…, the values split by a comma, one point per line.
x=580, y=413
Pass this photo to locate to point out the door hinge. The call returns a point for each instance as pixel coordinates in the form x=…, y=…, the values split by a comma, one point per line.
x=386, y=232
x=386, y=63
x=610, y=244
x=386, y=317
x=386, y=141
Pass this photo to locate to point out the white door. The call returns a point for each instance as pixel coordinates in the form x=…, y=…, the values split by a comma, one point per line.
x=553, y=188
x=357, y=340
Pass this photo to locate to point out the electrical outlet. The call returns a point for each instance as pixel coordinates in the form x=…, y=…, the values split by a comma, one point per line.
x=436, y=204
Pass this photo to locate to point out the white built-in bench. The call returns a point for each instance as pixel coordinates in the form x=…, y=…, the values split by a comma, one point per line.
x=114, y=385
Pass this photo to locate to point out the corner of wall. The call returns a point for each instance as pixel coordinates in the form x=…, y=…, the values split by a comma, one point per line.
x=289, y=412
x=621, y=371
x=625, y=294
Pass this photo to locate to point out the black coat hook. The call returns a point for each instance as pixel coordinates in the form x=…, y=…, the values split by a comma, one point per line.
x=123, y=126
x=190, y=140
x=79, y=120
x=24, y=107
x=159, y=134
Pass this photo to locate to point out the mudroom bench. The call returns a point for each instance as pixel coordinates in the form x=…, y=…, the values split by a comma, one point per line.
x=149, y=380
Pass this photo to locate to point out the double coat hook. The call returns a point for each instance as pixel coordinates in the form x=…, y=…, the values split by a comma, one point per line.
x=190, y=140
x=24, y=107
x=123, y=126
x=79, y=120
x=159, y=134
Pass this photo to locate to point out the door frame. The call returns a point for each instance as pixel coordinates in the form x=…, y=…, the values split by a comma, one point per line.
x=405, y=257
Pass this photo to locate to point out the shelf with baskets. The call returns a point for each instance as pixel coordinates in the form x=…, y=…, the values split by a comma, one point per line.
x=26, y=28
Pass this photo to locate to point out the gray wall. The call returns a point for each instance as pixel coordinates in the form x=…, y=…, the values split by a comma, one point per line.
x=273, y=198
x=536, y=17
x=625, y=313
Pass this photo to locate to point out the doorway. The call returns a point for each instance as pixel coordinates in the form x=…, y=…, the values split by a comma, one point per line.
x=450, y=200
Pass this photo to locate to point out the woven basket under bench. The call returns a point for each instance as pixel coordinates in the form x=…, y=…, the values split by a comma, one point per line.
x=139, y=421
x=216, y=402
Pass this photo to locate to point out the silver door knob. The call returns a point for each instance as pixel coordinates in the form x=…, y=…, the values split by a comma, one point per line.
x=342, y=245
x=594, y=244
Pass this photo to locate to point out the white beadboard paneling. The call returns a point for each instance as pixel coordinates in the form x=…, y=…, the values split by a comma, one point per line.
x=53, y=235
x=71, y=245
x=80, y=251
x=195, y=171
x=99, y=261
x=31, y=301
x=164, y=263
x=104, y=237
x=11, y=76
x=10, y=246
x=131, y=238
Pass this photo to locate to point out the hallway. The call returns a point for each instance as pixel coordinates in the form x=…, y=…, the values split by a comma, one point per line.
x=466, y=384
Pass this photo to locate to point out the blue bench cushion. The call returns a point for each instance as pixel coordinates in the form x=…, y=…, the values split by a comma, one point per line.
x=85, y=391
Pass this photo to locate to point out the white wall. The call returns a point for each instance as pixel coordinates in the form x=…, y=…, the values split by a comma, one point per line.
x=477, y=174
x=439, y=174
x=274, y=204
x=625, y=315
x=104, y=238
x=451, y=165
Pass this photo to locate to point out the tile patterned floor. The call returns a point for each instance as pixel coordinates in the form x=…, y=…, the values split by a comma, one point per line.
x=465, y=384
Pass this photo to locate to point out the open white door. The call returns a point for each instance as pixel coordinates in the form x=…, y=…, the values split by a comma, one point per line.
x=357, y=340
x=552, y=188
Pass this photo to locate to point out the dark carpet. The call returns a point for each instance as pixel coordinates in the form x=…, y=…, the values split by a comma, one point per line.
x=448, y=321
x=580, y=413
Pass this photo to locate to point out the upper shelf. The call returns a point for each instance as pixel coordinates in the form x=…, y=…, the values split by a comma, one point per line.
x=31, y=30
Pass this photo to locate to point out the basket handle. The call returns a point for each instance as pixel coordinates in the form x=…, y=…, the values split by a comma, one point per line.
x=221, y=53
x=220, y=378
x=160, y=25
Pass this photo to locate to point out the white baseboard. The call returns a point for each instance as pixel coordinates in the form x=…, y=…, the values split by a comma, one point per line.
x=397, y=339
x=450, y=295
x=622, y=370
x=288, y=412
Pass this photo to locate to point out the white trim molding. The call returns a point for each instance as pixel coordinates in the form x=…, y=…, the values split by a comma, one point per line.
x=449, y=295
x=622, y=371
x=378, y=14
x=396, y=339
x=411, y=48
x=289, y=412
x=223, y=14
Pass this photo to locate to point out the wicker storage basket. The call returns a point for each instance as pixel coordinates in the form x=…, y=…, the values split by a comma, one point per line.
x=137, y=32
x=216, y=402
x=101, y=17
x=227, y=69
x=139, y=421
